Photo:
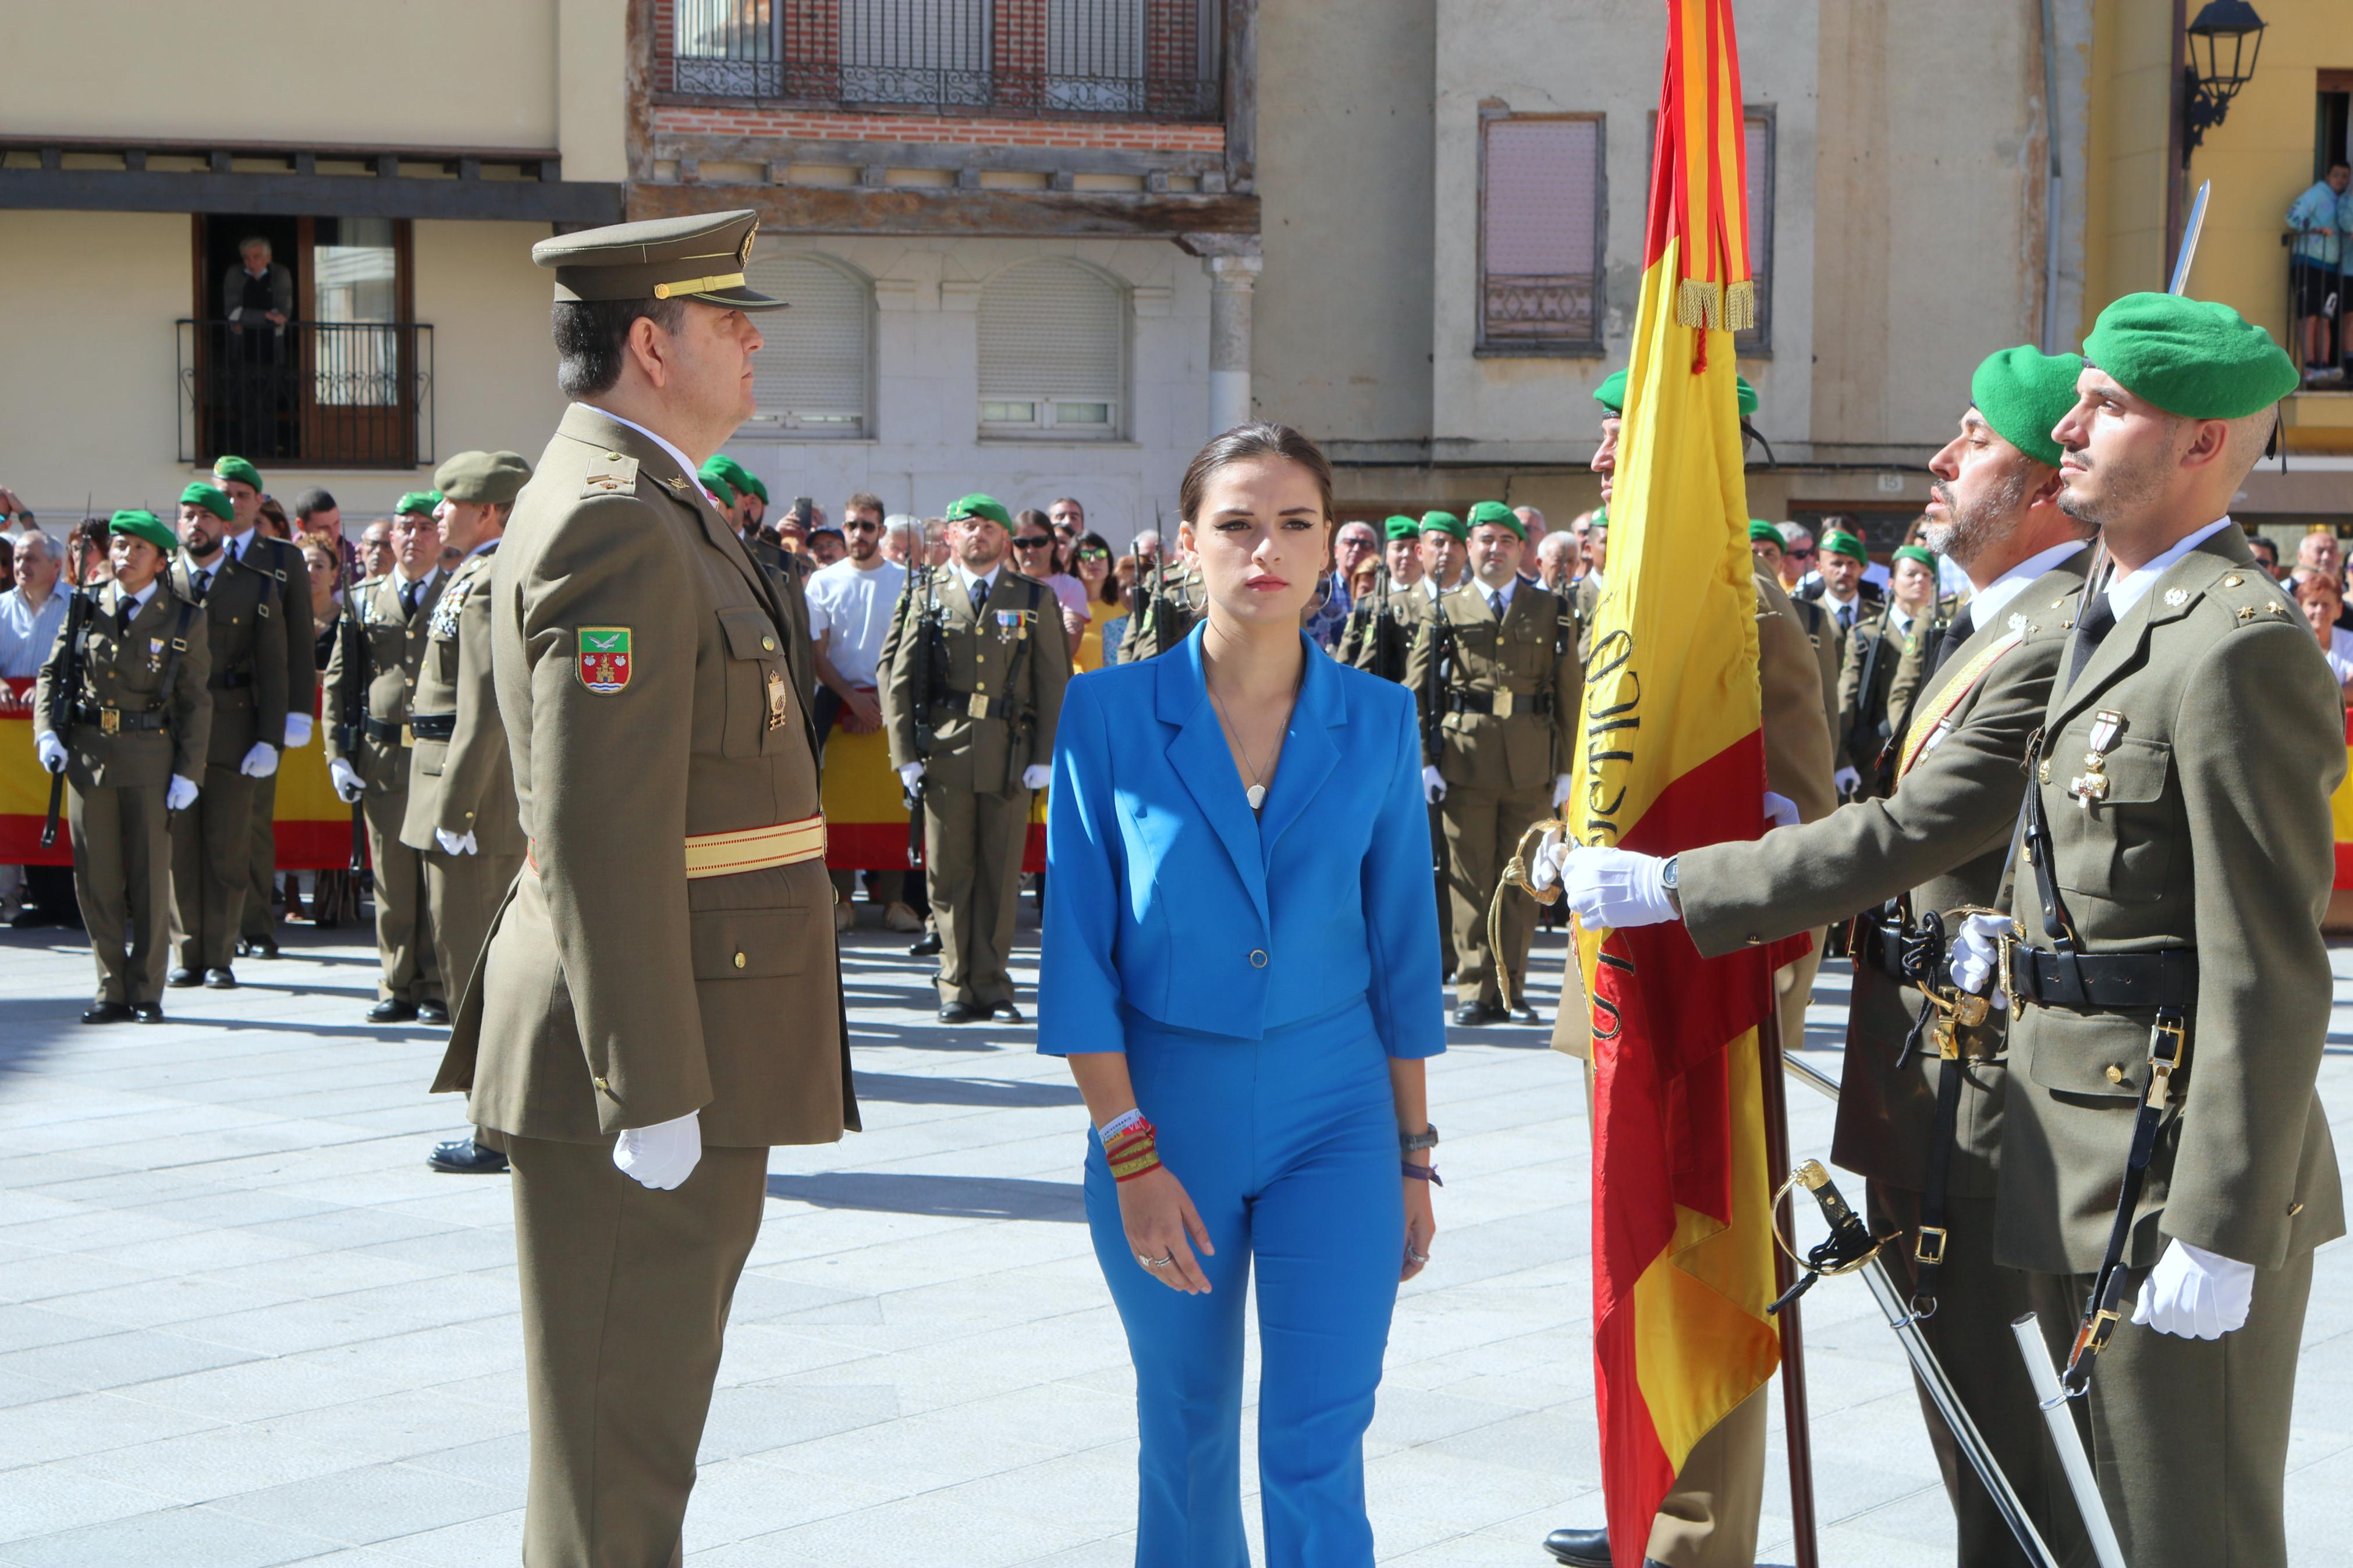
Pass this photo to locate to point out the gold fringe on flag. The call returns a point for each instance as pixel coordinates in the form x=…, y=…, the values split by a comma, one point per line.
x=1718, y=306
x=1739, y=307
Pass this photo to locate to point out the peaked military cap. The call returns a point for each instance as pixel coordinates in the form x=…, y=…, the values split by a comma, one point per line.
x=144, y=525
x=476, y=477
x=699, y=257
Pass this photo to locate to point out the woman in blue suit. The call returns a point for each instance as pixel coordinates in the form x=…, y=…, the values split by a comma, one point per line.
x=1241, y=962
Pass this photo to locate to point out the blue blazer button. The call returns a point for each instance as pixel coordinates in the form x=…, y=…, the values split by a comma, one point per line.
x=1258, y=958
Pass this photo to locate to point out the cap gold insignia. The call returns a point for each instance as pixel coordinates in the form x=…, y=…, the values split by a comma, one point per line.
x=2177, y=597
x=744, y=251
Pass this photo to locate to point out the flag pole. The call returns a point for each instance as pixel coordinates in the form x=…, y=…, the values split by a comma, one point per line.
x=1797, y=1431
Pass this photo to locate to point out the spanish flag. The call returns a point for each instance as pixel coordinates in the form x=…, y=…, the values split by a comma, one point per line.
x=1672, y=758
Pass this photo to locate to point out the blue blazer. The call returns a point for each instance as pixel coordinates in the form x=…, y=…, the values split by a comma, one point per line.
x=1169, y=899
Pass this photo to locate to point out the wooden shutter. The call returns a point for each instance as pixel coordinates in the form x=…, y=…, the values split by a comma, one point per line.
x=1053, y=335
x=810, y=376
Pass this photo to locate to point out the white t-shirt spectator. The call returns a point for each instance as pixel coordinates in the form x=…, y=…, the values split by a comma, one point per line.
x=28, y=634
x=850, y=612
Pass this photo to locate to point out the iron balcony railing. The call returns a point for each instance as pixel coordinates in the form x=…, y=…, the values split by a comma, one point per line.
x=346, y=394
x=1151, y=59
x=1539, y=308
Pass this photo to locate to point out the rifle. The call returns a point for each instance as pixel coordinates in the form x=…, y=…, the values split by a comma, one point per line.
x=926, y=629
x=67, y=701
x=354, y=724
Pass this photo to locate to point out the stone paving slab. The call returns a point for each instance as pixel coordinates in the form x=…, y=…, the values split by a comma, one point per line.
x=242, y=1324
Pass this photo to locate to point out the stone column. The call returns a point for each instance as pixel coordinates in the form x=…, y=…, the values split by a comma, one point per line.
x=1232, y=279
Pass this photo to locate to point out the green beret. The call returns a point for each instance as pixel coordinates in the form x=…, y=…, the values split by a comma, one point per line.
x=1838, y=542
x=1499, y=515
x=1401, y=527
x=740, y=480
x=1762, y=532
x=477, y=477
x=145, y=525
x=2024, y=393
x=2191, y=357
x=1925, y=556
x=1746, y=395
x=237, y=469
x=718, y=486
x=978, y=505
x=423, y=501
x=1611, y=394
x=209, y=497
x=1444, y=522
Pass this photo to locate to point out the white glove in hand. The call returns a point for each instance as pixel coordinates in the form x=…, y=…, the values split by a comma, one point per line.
x=1433, y=788
x=1976, y=951
x=180, y=794
x=51, y=751
x=348, y=787
x=453, y=844
x=2195, y=1294
x=661, y=1156
x=298, y=730
x=1615, y=888
x=1560, y=788
x=911, y=776
x=1780, y=810
x=1846, y=780
x=1552, y=850
x=260, y=760
x=1036, y=775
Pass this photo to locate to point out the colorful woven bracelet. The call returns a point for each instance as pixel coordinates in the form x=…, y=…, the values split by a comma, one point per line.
x=1133, y=1153
x=1422, y=1172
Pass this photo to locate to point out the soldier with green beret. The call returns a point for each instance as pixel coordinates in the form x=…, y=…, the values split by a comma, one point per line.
x=1875, y=652
x=659, y=1002
x=2165, y=971
x=460, y=815
x=419, y=503
x=241, y=482
x=971, y=680
x=251, y=686
x=121, y=710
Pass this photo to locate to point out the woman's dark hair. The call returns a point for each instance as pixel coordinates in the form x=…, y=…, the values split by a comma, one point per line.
x=592, y=334
x=1244, y=443
x=274, y=516
x=1109, y=591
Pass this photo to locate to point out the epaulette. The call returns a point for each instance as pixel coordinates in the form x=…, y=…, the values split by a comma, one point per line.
x=2251, y=596
x=614, y=473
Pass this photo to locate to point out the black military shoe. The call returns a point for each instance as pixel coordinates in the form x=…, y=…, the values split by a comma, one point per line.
x=1471, y=1015
x=391, y=1010
x=963, y=1013
x=464, y=1157
x=1579, y=1548
x=1523, y=1013
x=925, y=946
x=258, y=947
x=1007, y=1011
x=433, y=1010
x=219, y=980
x=147, y=1012
x=107, y=1013
x=184, y=978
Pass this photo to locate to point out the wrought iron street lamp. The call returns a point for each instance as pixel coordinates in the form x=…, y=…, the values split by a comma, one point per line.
x=2224, y=41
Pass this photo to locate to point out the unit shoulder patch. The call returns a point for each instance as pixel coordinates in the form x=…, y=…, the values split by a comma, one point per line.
x=607, y=660
x=611, y=474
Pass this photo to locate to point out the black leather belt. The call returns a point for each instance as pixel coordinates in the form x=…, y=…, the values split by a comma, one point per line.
x=433, y=726
x=1880, y=954
x=1501, y=704
x=231, y=679
x=112, y=721
x=2104, y=980
x=384, y=731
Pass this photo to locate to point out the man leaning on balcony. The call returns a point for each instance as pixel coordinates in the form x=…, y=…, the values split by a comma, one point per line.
x=2318, y=222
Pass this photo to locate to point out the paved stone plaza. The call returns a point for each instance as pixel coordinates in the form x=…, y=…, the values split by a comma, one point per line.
x=242, y=1324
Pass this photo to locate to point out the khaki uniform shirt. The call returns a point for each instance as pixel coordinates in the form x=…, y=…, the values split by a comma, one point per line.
x=995, y=691
x=124, y=671
x=465, y=784
x=1377, y=649
x=394, y=644
x=249, y=677
x=1532, y=654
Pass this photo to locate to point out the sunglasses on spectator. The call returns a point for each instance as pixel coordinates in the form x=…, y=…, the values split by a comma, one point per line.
x=860, y=525
x=1095, y=555
x=1806, y=554
x=1033, y=541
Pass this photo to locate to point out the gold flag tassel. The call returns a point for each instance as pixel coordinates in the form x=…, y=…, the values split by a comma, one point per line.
x=1699, y=302
x=1516, y=874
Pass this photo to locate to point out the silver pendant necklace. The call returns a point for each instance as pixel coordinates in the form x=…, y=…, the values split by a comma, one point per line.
x=1256, y=793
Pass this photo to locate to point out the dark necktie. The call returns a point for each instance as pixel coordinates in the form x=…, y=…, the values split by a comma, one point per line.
x=410, y=593
x=2098, y=620
x=979, y=596
x=124, y=614
x=204, y=583
x=1495, y=602
x=1959, y=631
x=1846, y=616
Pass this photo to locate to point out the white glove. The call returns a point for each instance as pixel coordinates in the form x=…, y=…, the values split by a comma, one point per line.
x=911, y=776
x=1036, y=775
x=1560, y=788
x=52, y=749
x=1616, y=888
x=661, y=1156
x=452, y=844
x=180, y=794
x=2195, y=1294
x=1846, y=780
x=298, y=730
x=1433, y=788
x=1552, y=851
x=1975, y=953
x=260, y=760
x=348, y=787
x=1780, y=810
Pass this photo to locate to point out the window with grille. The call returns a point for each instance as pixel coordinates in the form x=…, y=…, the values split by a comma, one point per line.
x=1757, y=142
x=1540, y=233
x=1053, y=352
x=811, y=374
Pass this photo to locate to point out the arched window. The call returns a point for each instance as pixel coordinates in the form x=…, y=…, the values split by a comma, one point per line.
x=812, y=372
x=1053, y=352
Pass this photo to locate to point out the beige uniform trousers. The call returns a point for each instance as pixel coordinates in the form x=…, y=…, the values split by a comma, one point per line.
x=260, y=916
x=626, y=1293
x=972, y=855
x=1482, y=826
x=411, y=968
x=463, y=894
x=212, y=864
x=123, y=876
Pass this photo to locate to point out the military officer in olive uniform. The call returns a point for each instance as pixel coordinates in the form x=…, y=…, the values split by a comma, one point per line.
x=659, y=1001
x=1496, y=665
x=2166, y=968
x=1922, y=1125
x=462, y=813
x=122, y=712
x=1378, y=631
x=1171, y=599
x=1875, y=654
x=971, y=681
x=372, y=673
x=212, y=841
x=241, y=482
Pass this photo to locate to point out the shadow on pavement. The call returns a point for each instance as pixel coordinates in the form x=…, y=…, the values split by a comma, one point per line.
x=910, y=1089
x=954, y=1198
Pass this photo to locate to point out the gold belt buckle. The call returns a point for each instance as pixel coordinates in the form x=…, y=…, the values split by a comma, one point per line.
x=407, y=735
x=976, y=706
x=109, y=721
x=1930, y=1247
x=1503, y=708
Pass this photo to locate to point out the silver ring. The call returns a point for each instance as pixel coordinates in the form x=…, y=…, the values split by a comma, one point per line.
x=1417, y=1256
x=1157, y=1262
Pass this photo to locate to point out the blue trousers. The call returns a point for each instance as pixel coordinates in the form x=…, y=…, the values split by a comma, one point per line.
x=1288, y=1147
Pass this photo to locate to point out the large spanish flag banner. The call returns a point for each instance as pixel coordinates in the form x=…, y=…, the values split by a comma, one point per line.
x=1673, y=759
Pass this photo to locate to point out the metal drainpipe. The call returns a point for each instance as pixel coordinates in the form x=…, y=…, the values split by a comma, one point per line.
x=2054, y=186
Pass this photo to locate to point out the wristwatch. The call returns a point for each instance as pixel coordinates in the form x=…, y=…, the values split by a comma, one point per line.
x=1668, y=881
x=1407, y=1142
